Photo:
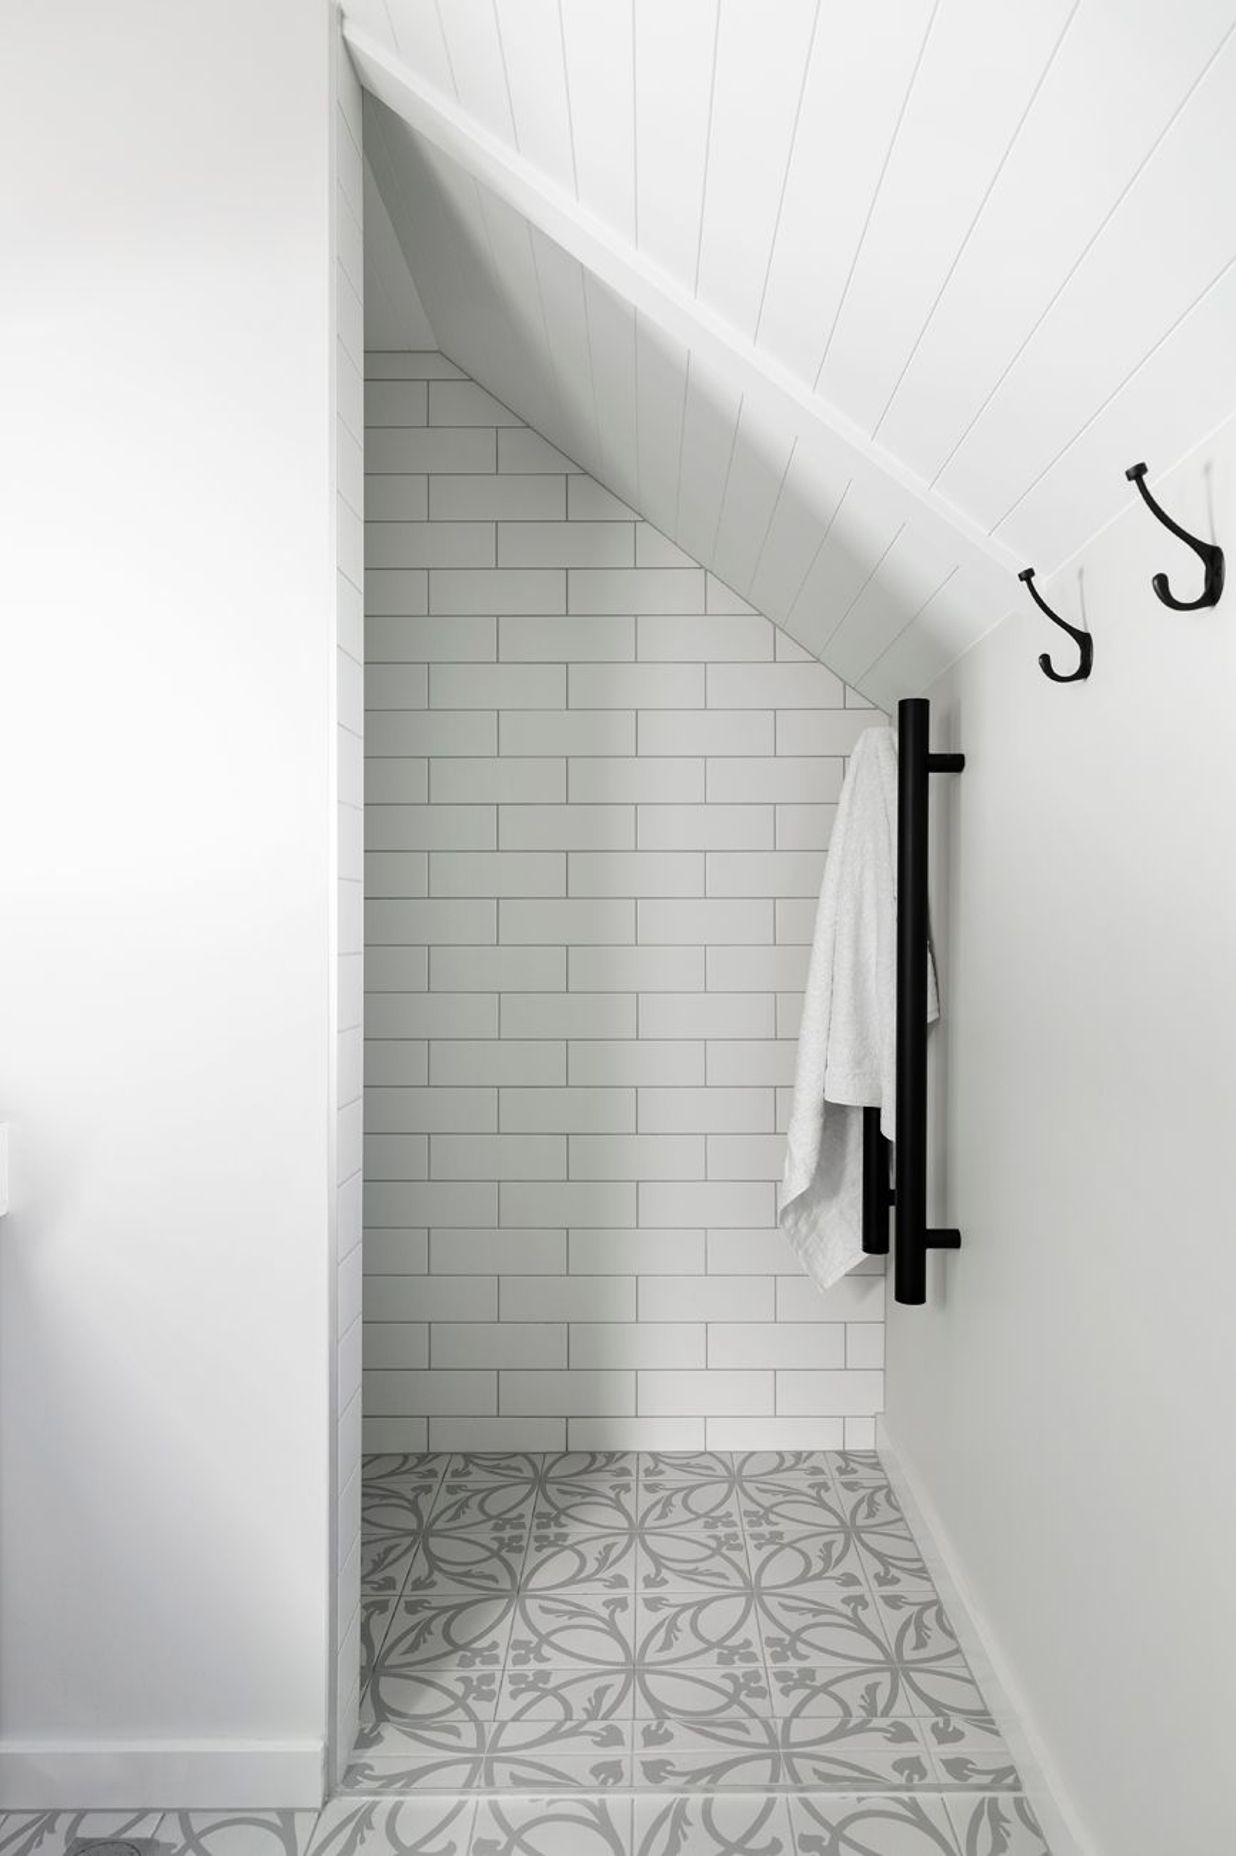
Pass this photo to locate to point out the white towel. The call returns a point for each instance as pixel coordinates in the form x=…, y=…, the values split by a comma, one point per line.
x=847, y=1043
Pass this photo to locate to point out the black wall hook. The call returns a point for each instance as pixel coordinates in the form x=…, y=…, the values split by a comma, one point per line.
x=1208, y=552
x=1083, y=640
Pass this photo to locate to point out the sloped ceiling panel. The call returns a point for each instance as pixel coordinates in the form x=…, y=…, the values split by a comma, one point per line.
x=994, y=238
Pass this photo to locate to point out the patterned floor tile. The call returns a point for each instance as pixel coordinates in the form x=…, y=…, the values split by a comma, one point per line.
x=386, y=1563
x=866, y=1826
x=832, y=1621
x=421, y=1697
x=484, y=1561
x=492, y=1507
x=460, y=1633
x=633, y=1693
x=237, y=1833
x=488, y=1772
x=576, y=1630
x=793, y=1466
x=552, y=1827
x=596, y=1468
x=686, y=1466
x=402, y=1466
x=737, y=1825
x=830, y=1689
x=53, y=1833
x=412, y=1827
x=840, y=1756
x=719, y=1629
x=562, y=1558
x=995, y=1826
x=494, y=1466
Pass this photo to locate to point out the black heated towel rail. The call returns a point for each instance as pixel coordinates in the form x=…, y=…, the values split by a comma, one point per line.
x=912, y=1236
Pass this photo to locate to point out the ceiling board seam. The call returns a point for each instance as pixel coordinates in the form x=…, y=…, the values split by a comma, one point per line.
x=540, y=297
x=566, y=86
x=915, y=616
x=506, y=75
x=729, y=466
x=446, y=46
x=772, y=514
x=1083, y=254
x=819, y=549
x=712, y=97
x=789, y=162
x=978, y=214
x=682, y=441
x=875, y=197
x=891, y=544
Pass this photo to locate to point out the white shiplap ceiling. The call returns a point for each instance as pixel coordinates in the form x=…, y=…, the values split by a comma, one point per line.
x=865, y=306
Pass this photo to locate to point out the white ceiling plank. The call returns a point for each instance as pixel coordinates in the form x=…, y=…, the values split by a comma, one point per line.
x=661, y=374
x=1094, y=123
x=674, y=49
x=709, y=427
x=759, y=82
x=1149, y=266
x=767, y=386
x=531, y=35
x=979, y=72
x=611, y=324
x=394, y=315
x=912, y=575
x=475, y=53
x=418, y=38
x=910, y=666
x=600, y=49
x=541, y=397
x=858, y=538
x=861, y=66
x=757, y=470
x=566, y=320
x=808, y=501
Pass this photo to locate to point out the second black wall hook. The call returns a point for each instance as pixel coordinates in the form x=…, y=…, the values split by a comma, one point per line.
x=1208, y=552
x=1083, y=640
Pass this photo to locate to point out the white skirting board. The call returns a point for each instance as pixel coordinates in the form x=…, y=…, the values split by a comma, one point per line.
x=1061, y=1824
x=190, y=1775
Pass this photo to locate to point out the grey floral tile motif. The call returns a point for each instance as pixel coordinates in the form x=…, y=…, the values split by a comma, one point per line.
x=866, y=1826
x=686, y=1466
x=857, y=1469
x=385, y=1564
x=996, y=1826
x=607, y=1509
x=375, y=1618
x=489, y=1772
x=983, y=1772
x=839, y=1755
x=916, y=1626
x=887, y=1688
x=562, y=1557
x=832, y=1622
x=691, y=1537
x=494, y=1466
x=495, y=1507
x=237, y=1833
x=572, y=1630
x=720, y=1628
x=419, y=1697
x=793, y=1466
x=484, y=1560
x=633, y=1692
x=975, y=1732
x=412, y=1827
x=552, y=1827
x=597, y=1468
x=53, y=1833
x=736, y=1825
x=459, y=1633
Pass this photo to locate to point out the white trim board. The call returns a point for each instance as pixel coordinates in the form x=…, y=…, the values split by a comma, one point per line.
x=190, y=1775
x=980, y=1644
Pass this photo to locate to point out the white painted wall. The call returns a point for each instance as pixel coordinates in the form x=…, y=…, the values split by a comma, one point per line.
x=166, y=743
x=1065, y=1400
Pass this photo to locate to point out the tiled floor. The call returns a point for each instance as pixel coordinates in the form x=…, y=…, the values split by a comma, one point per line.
x=592, y=1655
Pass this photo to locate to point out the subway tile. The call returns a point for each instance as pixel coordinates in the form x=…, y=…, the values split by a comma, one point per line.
x=400, y=1436
x=707, y=1394
x=395, y=874
x=567, y=828
x=396, y=1063
x=497, y=969
x=620, y=1062
x=796, y=920
x=430, y=1202
x=652, y=779
x=653, y=549
x=502, y=1343
x=637, y=1253
x=712, y=1203
x=497, y=589
x=706, y=1298
x=567, y=1111
x=394, y=402
x=804, y=828
x=431, y=734
x=751, y=1061
x=587, y=501
x=431, y=1015
x=685, y=638
x=396, y=1253
x=480, y=1062
x=854, y=1298
x=711, y=921
x=765, y=873
x=431, y=1298
x=418, y=828
x=802, y=779
x=568, y=731
x=647, y=1434
x=470, y=1436
x=746, y=1156
x=552, y=638
x=791, y=652
x=400, y=499
x=429, y=544
x=636, y=1156
x=498, y=1156
x=634, y=1345
x=350, y=1004
x=350, y=693
x=570, y=1394
x=705, y=828
x=522, y=450
x=860, y=1433
x=838, y=1394
x=636, y=589
x=569, y=1298
x=635, y=969
x=528, y=1252
x=636, y=873
x=419, y=452
x=463, y=403
x=497, y=873
x=574, y=921
x=463, y=922
x=427, y=1394
x=566, y=544
x=568, y=1015
x=704, y=731
x=635, y=686
x=756, y=1253
x=427, y=641
x=722, y=598
x=569, y=1203
x=409, y=364
x=864, y=1346
x=430, y=1111
x=485, y=781
x=778, y=1344
x=496, y=686
x=789, y=1014
x=757, y=969
x=764, y=1433
x=817, y=731
x=706, y=1015
x=774, y=686
x=494, y=497
x=705, y=1111
x=395, y=1344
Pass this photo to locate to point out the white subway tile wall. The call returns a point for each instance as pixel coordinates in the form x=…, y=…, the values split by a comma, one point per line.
x=598, y=794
